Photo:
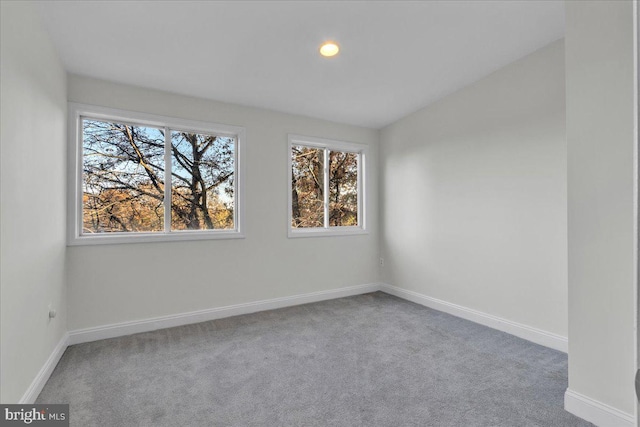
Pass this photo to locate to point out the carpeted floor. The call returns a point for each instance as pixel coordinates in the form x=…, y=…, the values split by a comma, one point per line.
x=369, y=360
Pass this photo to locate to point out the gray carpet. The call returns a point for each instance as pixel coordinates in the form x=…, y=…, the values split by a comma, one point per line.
x=368, y=360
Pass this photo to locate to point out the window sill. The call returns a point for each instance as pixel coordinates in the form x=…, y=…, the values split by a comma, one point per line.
x=326, y=232
x=120, y=238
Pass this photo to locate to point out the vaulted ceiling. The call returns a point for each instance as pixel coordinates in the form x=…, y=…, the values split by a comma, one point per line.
x=395, y=57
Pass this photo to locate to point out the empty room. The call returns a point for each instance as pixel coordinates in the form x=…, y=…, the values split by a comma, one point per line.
x=319, y=213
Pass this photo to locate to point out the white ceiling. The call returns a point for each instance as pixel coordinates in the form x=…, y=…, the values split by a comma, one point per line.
x=396, y=56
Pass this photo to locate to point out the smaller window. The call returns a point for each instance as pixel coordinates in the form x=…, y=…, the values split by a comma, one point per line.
x=326, y=182
x=141, y=178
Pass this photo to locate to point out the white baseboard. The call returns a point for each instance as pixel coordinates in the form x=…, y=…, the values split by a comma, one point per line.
x=30, y=396
x=596, y=412
x=529, y=333
x=128, y=328
x=146, y=325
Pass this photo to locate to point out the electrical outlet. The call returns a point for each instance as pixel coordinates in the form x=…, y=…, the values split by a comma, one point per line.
x=381, y=262
x=52, y=312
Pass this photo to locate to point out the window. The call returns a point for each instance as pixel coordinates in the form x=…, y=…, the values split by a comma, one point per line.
x=326, y=182
x=141, y=178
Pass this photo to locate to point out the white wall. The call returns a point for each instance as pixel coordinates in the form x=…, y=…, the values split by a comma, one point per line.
x=117, y=283
x=601, y=177
x=33, y=143
x=474, y=196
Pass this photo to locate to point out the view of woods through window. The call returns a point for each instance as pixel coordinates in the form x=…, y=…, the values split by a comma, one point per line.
x=311, y=202
x=124, y=177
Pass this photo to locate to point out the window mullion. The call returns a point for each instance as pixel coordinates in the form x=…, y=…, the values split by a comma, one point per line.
x=326, y=188
x=167, y=180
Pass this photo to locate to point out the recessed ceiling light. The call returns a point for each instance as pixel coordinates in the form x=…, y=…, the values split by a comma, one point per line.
x=329, y=49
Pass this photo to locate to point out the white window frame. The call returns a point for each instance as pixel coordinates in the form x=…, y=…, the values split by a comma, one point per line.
x=75, y=163
x=331, y=145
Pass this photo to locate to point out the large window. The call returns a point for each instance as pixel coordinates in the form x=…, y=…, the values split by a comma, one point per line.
x=326, y=181
x=137, y=177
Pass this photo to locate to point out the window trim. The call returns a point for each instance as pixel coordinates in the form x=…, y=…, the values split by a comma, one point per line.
x=77, y=111
x=328, y=144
